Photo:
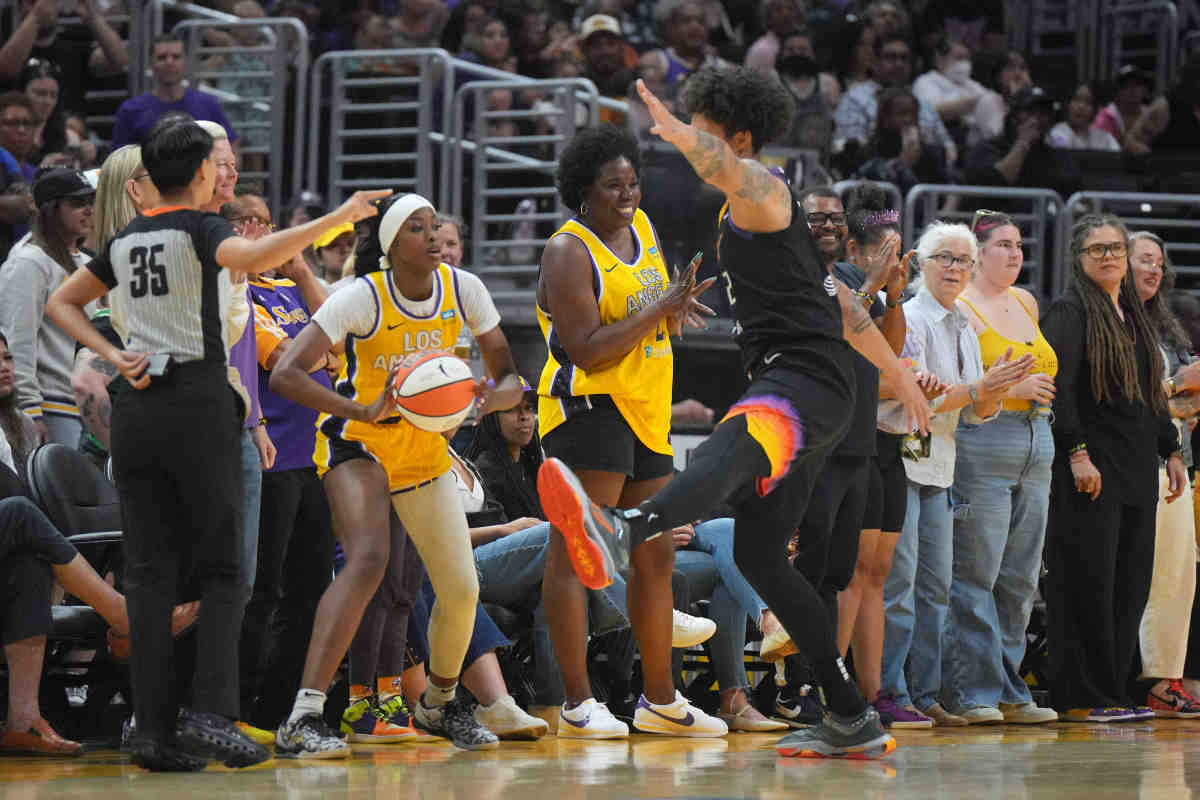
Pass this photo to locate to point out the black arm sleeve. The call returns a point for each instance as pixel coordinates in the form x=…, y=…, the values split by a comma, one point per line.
x=1063, y=327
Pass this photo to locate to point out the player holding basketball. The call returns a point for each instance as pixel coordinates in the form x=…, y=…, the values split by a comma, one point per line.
x=372, y=461
x=604, y=407
x=766, y=453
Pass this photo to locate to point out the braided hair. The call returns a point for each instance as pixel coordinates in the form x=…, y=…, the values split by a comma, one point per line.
x=1112, y=352
x=490, y=440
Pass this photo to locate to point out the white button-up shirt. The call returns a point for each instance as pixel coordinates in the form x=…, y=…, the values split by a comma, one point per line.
x=940, y=341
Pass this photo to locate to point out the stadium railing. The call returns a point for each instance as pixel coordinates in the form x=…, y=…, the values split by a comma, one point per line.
x=1034, y=211
x=1171, y=216
x=1146, y=34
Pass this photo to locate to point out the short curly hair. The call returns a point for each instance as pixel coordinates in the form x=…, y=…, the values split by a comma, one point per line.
x=584, y=155
x=741, y=99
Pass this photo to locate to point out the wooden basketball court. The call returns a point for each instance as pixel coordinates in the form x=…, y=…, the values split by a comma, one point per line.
x=1155, y=760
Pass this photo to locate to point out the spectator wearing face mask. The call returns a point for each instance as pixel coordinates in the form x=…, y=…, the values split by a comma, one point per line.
x=949, y=88
x=815, y=94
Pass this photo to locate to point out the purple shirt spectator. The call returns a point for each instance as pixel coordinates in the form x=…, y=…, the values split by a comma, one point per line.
x=291, y=426
x=137, y=115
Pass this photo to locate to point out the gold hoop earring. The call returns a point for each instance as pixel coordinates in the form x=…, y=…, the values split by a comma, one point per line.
x=583, y=210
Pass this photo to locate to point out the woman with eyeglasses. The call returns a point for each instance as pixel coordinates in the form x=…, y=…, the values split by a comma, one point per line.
x=1168, y=615
x=38, y=265
x=1111, y=426
x=1002, y=483
x=916, y=595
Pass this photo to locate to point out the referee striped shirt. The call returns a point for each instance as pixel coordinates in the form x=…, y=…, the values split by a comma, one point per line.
x=166, y=290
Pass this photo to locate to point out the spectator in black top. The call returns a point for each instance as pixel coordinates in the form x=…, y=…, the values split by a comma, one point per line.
x=1171, y=122
x=1020, y=156
x=507, y=453
x=162, y=275
x=1111, y=427
x=41, y=81
x=896, y=153
x=98, y=52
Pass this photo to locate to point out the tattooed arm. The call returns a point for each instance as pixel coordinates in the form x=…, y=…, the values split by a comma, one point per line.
x=758, y=201
x=863, y=335
x=89, y=384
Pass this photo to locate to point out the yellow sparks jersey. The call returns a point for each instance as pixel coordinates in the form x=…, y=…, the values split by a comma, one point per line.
x=408, y=454
x=640, y=382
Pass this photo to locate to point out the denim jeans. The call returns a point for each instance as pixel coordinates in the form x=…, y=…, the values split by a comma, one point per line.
x=251, y=509
x=715, y=537
x=728, y=644
x=510, y=574
x=1002, y=479
x=916, y=598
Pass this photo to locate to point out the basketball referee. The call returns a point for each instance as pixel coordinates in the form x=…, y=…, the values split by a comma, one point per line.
x=175, y=437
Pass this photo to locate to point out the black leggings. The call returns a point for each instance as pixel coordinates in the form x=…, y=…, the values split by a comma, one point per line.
x=379, y=646
x=769, y=497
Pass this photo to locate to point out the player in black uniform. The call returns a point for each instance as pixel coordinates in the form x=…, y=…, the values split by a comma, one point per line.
x=794, y=320
x=175, y=434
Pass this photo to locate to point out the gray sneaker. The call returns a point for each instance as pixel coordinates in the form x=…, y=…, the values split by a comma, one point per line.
x=839, y=737
x=309, y=737
x=455, y=722
x=598, y=541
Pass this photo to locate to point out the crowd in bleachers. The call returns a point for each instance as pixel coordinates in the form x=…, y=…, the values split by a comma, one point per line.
x=891, y=92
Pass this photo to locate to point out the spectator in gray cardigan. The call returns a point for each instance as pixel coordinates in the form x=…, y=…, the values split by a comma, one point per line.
x=42, y=352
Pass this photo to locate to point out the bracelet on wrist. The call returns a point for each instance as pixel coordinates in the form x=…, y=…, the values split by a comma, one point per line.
x=973, y=391
x=867, y=299
x=1172, y=389
x=890, y=303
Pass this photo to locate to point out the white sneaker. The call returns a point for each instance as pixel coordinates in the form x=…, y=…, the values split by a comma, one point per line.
x=688, y=631
x=509, y=721
x=982, y=715
x=679, y=718
x=590, y=720
x=1027, y=714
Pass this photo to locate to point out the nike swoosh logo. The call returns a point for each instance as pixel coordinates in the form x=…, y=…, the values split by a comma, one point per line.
x=582, y=724
x=393, y=327
x=610, y=269
x=770, y=358
x=686, y=719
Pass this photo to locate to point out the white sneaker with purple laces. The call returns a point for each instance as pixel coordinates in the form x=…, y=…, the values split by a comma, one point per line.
x=679, y=718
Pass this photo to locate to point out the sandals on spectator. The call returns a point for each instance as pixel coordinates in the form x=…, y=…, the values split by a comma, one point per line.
x=39, y=740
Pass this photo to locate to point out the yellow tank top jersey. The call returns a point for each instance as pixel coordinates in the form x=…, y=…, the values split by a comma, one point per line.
x=409, y=455
x=992, y=345
x=640, y=383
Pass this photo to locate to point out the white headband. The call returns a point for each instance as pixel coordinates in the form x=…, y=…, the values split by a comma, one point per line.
x=396, y=216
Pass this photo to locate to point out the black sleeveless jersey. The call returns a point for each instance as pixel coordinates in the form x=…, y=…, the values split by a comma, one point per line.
x=783, y=299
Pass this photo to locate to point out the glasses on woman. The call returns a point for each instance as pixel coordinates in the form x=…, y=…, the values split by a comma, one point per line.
x=947, y=260
x=1104, y=249
x=247, y=221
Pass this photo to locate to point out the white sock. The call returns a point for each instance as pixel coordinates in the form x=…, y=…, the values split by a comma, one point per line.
x=436, y=696
x=308, y=701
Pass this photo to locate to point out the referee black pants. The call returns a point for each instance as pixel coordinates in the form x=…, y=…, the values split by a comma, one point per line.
x=176, y=449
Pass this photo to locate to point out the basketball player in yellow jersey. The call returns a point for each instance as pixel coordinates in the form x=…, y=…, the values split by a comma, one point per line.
x=604, y=407
x=373, y=461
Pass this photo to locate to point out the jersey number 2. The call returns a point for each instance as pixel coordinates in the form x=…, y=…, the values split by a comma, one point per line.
x=148, y=272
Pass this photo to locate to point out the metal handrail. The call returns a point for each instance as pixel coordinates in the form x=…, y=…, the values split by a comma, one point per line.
x=1168, y=38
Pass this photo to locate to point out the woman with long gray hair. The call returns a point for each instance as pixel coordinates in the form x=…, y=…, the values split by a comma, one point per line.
x=1165, y=623
x=1111, y=428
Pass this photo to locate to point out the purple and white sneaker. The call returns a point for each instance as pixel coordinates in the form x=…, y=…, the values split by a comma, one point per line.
x=1113, y=714
x=678, y=718
x=590, y=720
x=906, y=717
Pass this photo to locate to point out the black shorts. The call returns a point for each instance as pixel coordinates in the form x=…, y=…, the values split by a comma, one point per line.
x=599, y=439
x=890, y=503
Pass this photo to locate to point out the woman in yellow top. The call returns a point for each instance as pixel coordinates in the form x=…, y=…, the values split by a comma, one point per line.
x=373, y=461
x=1002, y=489
x=607, y=311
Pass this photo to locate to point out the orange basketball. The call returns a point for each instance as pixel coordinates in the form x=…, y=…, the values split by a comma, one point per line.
x=434, y=391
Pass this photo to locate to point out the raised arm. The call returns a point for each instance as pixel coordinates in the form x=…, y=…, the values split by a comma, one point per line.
x=239, y=254
x=758, y=201
x=18, y=47
x=116, y=54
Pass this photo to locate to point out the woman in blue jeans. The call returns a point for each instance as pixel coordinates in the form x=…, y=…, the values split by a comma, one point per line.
x=1002, y=484
x=916, y=594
